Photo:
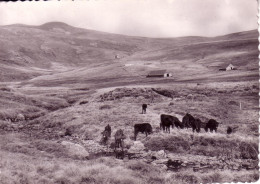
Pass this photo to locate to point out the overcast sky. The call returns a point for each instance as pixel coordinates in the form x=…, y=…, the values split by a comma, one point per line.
x=150, y=18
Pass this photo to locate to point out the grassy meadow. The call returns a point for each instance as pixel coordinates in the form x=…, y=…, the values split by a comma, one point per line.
x=68, y=87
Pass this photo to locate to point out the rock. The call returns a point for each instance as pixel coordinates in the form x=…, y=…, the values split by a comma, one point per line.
x=164, y=167
x=75, y=150
x=161, y=161
x=20, y=117
x=160, y=154
x=137, y=147
x=128, y=143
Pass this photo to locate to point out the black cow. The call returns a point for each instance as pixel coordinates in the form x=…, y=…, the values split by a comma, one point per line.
x=168, y=120
x=196, y=125
x=177, y=122
x=211, y=125
x=143, y=128
x=188, y=120
x=144, y=107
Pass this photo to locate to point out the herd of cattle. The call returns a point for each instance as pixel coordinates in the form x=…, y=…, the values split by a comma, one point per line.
x=167, y=121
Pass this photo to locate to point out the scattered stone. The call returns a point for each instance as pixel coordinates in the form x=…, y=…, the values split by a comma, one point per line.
x=75, y=150
x=137, y=147
x=20, y=117
x=160, y=154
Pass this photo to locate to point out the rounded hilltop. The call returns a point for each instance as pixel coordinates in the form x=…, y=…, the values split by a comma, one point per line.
x=53, y=25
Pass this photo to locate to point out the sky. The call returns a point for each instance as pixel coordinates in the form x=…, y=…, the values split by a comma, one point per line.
x=148, y=18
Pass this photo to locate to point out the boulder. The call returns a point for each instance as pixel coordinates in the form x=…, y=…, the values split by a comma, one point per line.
x=75, y=150
x=20, y=117
x=137, y=147
x=160, y=154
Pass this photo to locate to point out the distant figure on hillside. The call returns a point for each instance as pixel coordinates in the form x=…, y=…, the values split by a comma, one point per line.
x=119, y=139
x=232, y=129
x=108, y=128
x=119, y=143
x=106, y=134
x=144, y=107
x=229, y=130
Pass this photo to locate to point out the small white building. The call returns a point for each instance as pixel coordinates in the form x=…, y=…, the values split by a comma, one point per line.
x=167, y=74
x=230, y=67
x=159, y=73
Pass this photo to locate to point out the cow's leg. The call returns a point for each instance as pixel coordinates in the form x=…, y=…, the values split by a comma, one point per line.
x=135, y=135
x=193, y=129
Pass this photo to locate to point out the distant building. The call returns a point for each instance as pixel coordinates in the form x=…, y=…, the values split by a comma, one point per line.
x=230, y=67
x=159, y=73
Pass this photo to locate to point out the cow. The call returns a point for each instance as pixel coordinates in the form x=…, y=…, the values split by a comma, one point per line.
x=144, y=107
x=177, y=122
x=143, y=128
x=187, y=120
x=196, y=125
x=211, y=125
x=168, y=120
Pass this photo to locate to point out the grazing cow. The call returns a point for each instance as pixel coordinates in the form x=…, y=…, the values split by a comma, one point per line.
x=143, y=128
x=211, y=125
x=196, y=125
x=168, y=120
x=177, y=122
x=144, y=107
x=188, y=120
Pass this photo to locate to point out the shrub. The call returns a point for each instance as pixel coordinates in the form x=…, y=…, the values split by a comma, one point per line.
x=248, y=151
x=139, y=166
x=105, y=107
x=173, y=144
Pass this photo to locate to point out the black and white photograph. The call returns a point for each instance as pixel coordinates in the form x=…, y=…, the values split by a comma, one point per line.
x=129, y=92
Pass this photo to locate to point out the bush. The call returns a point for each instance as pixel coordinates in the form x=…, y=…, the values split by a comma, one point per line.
x=248, y=151
x=173, y=144
x=105, y=107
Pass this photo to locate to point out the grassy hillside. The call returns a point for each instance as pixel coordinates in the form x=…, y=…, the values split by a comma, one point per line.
x=30, y=51
x=68, y=85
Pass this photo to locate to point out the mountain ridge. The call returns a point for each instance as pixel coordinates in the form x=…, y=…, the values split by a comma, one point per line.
x=29, y=51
